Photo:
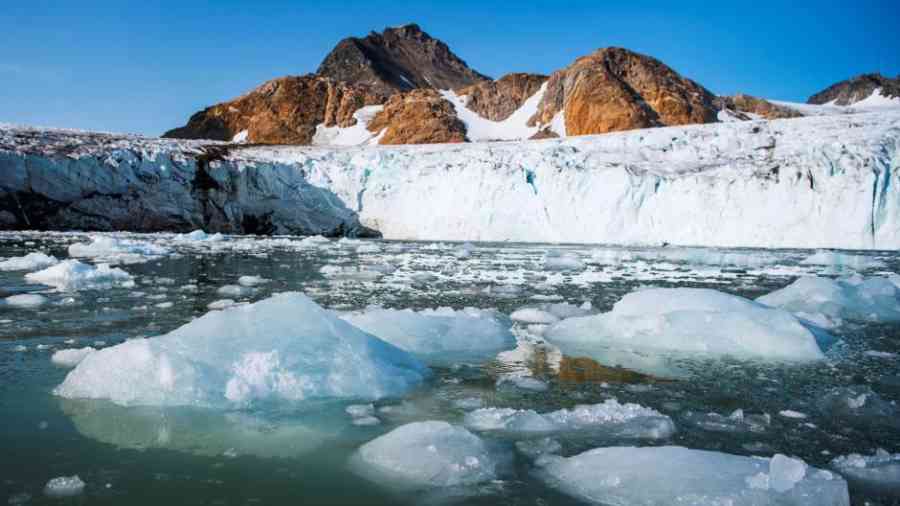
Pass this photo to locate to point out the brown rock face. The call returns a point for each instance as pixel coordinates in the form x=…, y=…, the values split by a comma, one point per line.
x=398, y=59
x=497, y=100
x=281, y=111
x=741, y=103
x=615, y=89
x=858, y=88
x=418, y=117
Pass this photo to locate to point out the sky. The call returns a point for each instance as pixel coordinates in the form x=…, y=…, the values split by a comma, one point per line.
x=145, y=67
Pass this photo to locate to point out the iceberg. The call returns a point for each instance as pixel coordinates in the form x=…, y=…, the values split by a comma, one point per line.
x=828, y=302
x=24, y=300
x=71, y=357
x=281, y=349
x=30, y=262
x=676, y=475
x=878, y=473
x=427, y=455
x=72, y=275
x=64, y=486
x=117, y=250
x=692, y=321
x=439, y=336
x=609, y=417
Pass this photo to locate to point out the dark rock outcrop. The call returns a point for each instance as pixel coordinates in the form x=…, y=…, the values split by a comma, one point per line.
x=740, y=104
x=398, y=59
x=282, y=111
x=497, y=100
x=616, y=89
x=858, y=88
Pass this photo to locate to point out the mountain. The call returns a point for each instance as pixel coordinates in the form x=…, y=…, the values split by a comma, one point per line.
x=402, y=86
x=872, y=88
x=398, y=59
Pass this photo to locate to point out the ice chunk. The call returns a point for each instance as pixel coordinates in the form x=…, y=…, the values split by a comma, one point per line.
x=64, y=486
x=284, y=348
x=117, y=250
x=29, y=262
x=690, y=320
x=609, y=417
x=252, y=280
x=879, y=472
x=562, y=261
x=532, y=315
x=534, y=448
x=830, y=301
x=428, y=454
x=858, y=404
x=71, y=357
x=72, y=275
x=843, y=260
x=737, y=421
x=234, y=290
x=26, y=300
x=438, y=336
x=676, y=475
x=199, y=235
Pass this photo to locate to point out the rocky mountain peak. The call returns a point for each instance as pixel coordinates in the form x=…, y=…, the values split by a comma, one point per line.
x=398, y=59
x=858, y=88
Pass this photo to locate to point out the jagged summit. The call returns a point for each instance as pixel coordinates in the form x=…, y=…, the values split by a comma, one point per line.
x=398, y=59
x=857, y=89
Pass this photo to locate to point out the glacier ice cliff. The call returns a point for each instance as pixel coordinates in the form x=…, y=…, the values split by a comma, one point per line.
x=827, y=181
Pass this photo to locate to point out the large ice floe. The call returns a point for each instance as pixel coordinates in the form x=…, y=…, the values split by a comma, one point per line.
x=438, y=336
x=117, y=250
x=284, y=348
x=829, y=302
x=879, y=472
x=676, y=475
x=695, y=321
x=29, y=262
x=429, y=454
x=607, y=418
x=72, y=275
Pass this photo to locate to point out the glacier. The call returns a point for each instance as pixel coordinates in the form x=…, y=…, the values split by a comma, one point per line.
x=814, y=182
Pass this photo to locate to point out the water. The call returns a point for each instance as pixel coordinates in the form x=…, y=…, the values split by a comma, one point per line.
x=298, y=454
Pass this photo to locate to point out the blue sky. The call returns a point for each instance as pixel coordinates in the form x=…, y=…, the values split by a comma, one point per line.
x=144, y=67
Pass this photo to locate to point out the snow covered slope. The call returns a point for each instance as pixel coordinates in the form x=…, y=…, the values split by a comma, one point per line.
x=827, y=181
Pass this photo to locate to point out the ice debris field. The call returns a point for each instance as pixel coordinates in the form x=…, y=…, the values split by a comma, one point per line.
x=344, y=371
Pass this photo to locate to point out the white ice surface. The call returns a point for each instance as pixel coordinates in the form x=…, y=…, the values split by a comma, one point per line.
x=71, y=357
x=828, y=302
x=29, y=262
x=676, y=475
x=693, y=321
x=24, y=300
x=72, y=275
x=438, y=336
x=64, y=486
x=427, y=454
x=281, y=349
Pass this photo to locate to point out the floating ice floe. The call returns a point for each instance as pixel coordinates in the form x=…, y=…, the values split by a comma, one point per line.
x=24, y=300
x=29, y=262
x=117, y=250
x=562, y=261
x=252, y=280
x=693, y=321
x=72, y=275
x=692, y=256
x=234, y=290
x=828, y=302
x=64, y=486
x=879, y=472
x=737, y=421
x=428, y=454
x=858, y=404
x=284, y=348
x=363, y=414
x=71, y=357
x=199, y=236
x=676, y=475
x=841, y=261
x=609, y=417
x=438, y=336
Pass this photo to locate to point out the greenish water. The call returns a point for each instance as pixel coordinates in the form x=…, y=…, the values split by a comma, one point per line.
x=298, y=454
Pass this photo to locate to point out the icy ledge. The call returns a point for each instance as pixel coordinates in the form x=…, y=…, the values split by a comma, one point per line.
x=829, y=181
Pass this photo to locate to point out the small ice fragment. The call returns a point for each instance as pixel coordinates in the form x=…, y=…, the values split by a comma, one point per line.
x=64, y=486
